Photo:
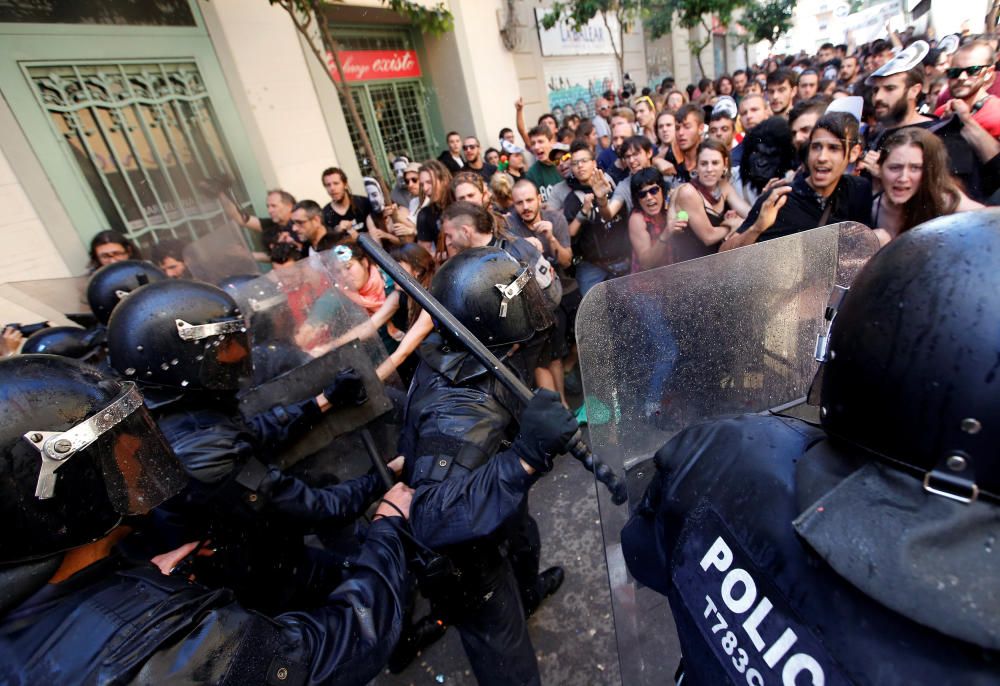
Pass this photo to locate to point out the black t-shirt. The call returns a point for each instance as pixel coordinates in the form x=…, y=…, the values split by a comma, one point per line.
x=454, y=166
x=270, y=230
x=851, y=202
x=487, y=171
x=598, y=241
x=357, y=213
x=428, y=223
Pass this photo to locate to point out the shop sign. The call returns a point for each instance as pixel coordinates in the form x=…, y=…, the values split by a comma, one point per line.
x=594, y=38
x=375, y=65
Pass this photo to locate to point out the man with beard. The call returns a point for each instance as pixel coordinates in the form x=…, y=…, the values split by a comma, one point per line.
x=848, y=73
x=819, y=195
x=474, y=158
x=896, y=89
x=969, y=78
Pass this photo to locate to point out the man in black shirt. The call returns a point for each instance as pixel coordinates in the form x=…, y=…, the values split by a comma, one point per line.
x=474, y=159
x=818, y=196
x=275, y=227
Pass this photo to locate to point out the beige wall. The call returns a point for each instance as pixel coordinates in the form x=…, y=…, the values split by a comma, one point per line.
x=487, y=67
x=270, y=79
x=29, y=252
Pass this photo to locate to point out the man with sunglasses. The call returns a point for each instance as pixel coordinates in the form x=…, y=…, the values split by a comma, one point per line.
x=474, y=159
x=969, y=78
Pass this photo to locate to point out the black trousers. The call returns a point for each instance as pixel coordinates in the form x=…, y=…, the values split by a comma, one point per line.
x=495, y=634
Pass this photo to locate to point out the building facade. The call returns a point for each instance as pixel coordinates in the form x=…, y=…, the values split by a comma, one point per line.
x=113, y=113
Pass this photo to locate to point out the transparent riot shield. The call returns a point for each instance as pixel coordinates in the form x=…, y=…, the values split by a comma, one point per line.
x=304, y=329
x=660, y=350
x=220, y=254
x=60, y=301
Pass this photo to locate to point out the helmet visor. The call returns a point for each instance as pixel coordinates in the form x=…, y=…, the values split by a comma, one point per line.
x=537, y=308
x=139, y=469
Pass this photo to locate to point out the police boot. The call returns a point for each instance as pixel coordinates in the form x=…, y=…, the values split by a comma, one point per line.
x=548, y=583
x=416, y=637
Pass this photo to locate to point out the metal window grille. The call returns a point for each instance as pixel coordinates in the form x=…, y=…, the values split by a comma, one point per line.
x=144, y=135
x=395, y=118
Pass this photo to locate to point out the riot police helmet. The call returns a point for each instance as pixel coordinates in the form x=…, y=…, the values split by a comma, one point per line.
x=912, y=373
x=68, y=341
x=80, y=454
x=493, y=295
x=184, y=335
x=113, y=282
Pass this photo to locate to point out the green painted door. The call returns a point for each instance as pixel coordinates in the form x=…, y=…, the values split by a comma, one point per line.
x=127, y=122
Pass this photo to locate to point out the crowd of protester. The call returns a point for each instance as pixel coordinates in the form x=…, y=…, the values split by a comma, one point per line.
x=888, y=134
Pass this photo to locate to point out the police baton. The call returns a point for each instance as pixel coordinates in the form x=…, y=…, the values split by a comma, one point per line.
x=577, y=447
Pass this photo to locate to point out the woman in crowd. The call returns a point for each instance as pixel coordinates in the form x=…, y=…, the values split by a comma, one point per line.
x=502, y=190
x=108, y=247
x=587, y=133
x=713, y=207
x=645, y=117
x=916, y=184
x=409, y=316
x=724, y=85
x=492, y=156
x=675, y=100
x=435, y=195
x=649, y=222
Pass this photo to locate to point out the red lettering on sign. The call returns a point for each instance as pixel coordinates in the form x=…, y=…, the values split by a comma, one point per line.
x=371, y=65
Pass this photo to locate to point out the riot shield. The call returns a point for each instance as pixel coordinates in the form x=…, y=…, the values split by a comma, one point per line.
x=220, y=254
x=304, y=329
x=661, y=350
x=61, y=301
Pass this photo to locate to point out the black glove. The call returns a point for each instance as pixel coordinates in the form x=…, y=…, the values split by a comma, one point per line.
x=347, y=389
x=546, y=427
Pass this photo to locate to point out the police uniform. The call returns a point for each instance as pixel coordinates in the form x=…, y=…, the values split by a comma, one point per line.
x=755, y=603
x=80, y=455
x=469, y=502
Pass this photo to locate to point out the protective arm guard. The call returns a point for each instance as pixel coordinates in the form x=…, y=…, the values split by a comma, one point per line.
x=284, y=422
x=330, y=508
x=348, y=641
x=471, y=505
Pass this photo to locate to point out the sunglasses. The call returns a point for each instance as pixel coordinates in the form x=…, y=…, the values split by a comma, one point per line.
x=411, y=179
x=469, y=147
x=649, y=192
x=956, y=72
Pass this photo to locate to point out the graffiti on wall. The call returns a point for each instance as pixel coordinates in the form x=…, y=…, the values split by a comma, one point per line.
x=567, y=95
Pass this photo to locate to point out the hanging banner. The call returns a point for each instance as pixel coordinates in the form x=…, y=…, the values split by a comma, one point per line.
x=375, y=65
x=869, y=24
